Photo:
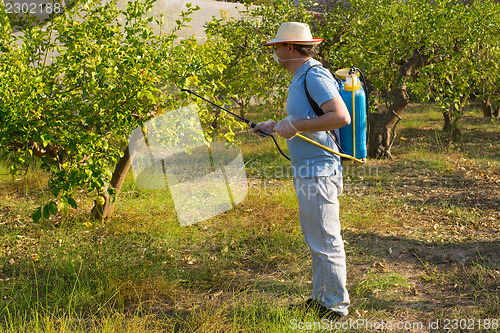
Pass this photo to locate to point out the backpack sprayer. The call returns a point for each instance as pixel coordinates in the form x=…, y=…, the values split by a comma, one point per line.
x=253, y=124
x=352, y=141
x=353, y=137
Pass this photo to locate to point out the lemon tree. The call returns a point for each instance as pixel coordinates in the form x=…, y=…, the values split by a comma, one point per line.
x=73, y=89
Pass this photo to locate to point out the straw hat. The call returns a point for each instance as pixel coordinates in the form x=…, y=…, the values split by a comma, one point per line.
x=294, y=33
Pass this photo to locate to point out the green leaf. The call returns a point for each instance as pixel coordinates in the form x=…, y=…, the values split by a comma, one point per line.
x=37, y=215
x=151, y=97
x=46, y=211
x=53, y=209
x=63, y=203
x=55, y=191
x=72, y=203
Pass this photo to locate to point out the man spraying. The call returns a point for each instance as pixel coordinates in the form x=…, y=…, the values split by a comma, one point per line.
x=317, y=173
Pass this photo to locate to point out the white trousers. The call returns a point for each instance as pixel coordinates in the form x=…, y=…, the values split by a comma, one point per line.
x=319, y=221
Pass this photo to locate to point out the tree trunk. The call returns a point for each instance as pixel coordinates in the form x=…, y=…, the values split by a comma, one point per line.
x=487, y=107
x=380, y=132
x=242, y=103
x=447, y=121
x=381, y=135
x=382, y=128
x=495, y=108
x=456, y=132
x=101, y=212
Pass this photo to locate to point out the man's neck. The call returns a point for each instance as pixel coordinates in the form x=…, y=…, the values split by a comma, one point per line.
x=294, y=66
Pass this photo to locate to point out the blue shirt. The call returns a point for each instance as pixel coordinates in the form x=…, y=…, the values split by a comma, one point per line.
x=307, y=159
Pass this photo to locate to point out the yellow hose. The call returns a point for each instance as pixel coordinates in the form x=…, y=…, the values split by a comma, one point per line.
x=363, y=161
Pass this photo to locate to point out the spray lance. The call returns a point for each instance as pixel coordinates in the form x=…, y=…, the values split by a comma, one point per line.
x=247, y=121
x=253, y=124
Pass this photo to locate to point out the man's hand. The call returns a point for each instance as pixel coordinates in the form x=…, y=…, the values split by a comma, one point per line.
x=266, y=127
x=286, y=129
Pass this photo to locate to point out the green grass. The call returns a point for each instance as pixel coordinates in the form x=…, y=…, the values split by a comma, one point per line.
x=378, y=282
x=421, y=235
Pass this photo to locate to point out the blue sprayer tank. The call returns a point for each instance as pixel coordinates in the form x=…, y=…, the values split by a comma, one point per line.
x=354, y=134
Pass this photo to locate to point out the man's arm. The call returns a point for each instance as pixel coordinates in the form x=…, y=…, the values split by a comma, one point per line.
x=336, y=115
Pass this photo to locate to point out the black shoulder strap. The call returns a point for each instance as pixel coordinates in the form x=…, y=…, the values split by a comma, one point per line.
x=317, y=109
x=314, y=105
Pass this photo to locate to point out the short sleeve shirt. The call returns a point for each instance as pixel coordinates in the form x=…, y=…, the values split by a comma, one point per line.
x=307, y=159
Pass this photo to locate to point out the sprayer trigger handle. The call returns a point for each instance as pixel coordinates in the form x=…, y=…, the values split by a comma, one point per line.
x=253, y=125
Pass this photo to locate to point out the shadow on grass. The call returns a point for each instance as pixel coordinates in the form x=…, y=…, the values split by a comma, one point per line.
x=455, y=190
x=450, y=181
x=476, y=133
x=102, y=272
x=440, y=278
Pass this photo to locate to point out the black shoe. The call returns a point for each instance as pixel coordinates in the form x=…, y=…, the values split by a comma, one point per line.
x=320, y=310
x=330, y=315
x=310, y=304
